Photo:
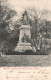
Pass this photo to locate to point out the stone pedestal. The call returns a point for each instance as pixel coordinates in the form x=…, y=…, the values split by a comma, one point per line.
x=22, y=46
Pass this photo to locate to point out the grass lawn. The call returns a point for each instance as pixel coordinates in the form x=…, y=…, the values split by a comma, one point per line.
x=25, y=60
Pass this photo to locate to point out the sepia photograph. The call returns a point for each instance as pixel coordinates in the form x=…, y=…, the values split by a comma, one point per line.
x=25, y=33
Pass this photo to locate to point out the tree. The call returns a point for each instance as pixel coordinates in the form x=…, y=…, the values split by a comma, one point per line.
x=46, y=31
x=36, y=21
x=5, y=19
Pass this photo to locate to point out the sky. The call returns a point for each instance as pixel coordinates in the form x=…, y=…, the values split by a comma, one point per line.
x=21, y=5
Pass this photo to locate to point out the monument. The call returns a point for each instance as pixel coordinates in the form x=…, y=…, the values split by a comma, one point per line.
x=23, y=44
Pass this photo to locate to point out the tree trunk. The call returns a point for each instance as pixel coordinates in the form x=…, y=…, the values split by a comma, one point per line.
x=0, y=53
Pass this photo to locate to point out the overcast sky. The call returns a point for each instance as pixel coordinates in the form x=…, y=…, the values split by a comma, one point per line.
x=18, y=5
x=21, y=5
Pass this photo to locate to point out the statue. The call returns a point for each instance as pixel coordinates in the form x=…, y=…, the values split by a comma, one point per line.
x=25, y=18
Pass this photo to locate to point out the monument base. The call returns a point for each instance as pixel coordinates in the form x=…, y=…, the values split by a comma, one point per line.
x=21, y=47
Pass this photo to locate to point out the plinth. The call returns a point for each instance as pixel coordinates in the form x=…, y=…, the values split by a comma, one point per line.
x=22, y=46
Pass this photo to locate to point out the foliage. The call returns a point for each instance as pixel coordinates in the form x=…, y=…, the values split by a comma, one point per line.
x=40, y=28
x=5, y=19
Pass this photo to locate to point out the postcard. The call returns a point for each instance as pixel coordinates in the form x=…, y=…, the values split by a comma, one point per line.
x=25, y=40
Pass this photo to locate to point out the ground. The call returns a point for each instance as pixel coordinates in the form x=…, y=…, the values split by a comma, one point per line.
x=25, y=60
